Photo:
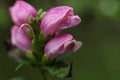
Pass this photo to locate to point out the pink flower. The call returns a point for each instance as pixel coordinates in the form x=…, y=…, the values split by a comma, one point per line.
x=21, y=11
x=59, y=18
x=20, y=38
x=60, y=45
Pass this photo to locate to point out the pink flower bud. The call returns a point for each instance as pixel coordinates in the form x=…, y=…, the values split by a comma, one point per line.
x=60, y=45
x=20, y=38
x=21, y=11
x=59, y=18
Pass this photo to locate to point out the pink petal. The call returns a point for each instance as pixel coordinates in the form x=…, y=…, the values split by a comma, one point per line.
x=53, y=46
x=53, y=17
x=20, y=39
x=60, y=45
x=20, y=12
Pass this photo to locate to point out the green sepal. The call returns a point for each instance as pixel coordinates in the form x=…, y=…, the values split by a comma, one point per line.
x=40, y=11
x=40, y=15
x=30, y=33
x=45, y=60
x=30, y=56
x=60, y=70
x=31, y=20
x=34, y=25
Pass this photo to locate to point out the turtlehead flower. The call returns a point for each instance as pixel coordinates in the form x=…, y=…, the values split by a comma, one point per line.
x=60, y=45
x=20, y=38
x=59, y=18
x=21, y=11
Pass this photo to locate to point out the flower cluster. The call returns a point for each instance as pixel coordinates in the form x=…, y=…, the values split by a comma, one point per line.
x=38, y=34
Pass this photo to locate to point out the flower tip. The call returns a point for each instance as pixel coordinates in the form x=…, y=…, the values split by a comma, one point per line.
x=77, y=19
x=78, y=45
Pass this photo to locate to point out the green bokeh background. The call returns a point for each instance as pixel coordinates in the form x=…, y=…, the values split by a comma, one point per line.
x=99, y=57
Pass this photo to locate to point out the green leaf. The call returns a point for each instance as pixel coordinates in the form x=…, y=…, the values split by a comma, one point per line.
x=60, y=70
x=18, y=67
x=63, y=57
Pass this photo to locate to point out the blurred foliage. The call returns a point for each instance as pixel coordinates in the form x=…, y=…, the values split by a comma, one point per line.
x=99, y=57
x=18, y=78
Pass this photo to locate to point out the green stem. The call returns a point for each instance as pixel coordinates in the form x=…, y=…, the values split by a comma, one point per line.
x=43, y=74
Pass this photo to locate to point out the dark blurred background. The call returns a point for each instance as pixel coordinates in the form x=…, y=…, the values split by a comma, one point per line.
x=99, y=57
